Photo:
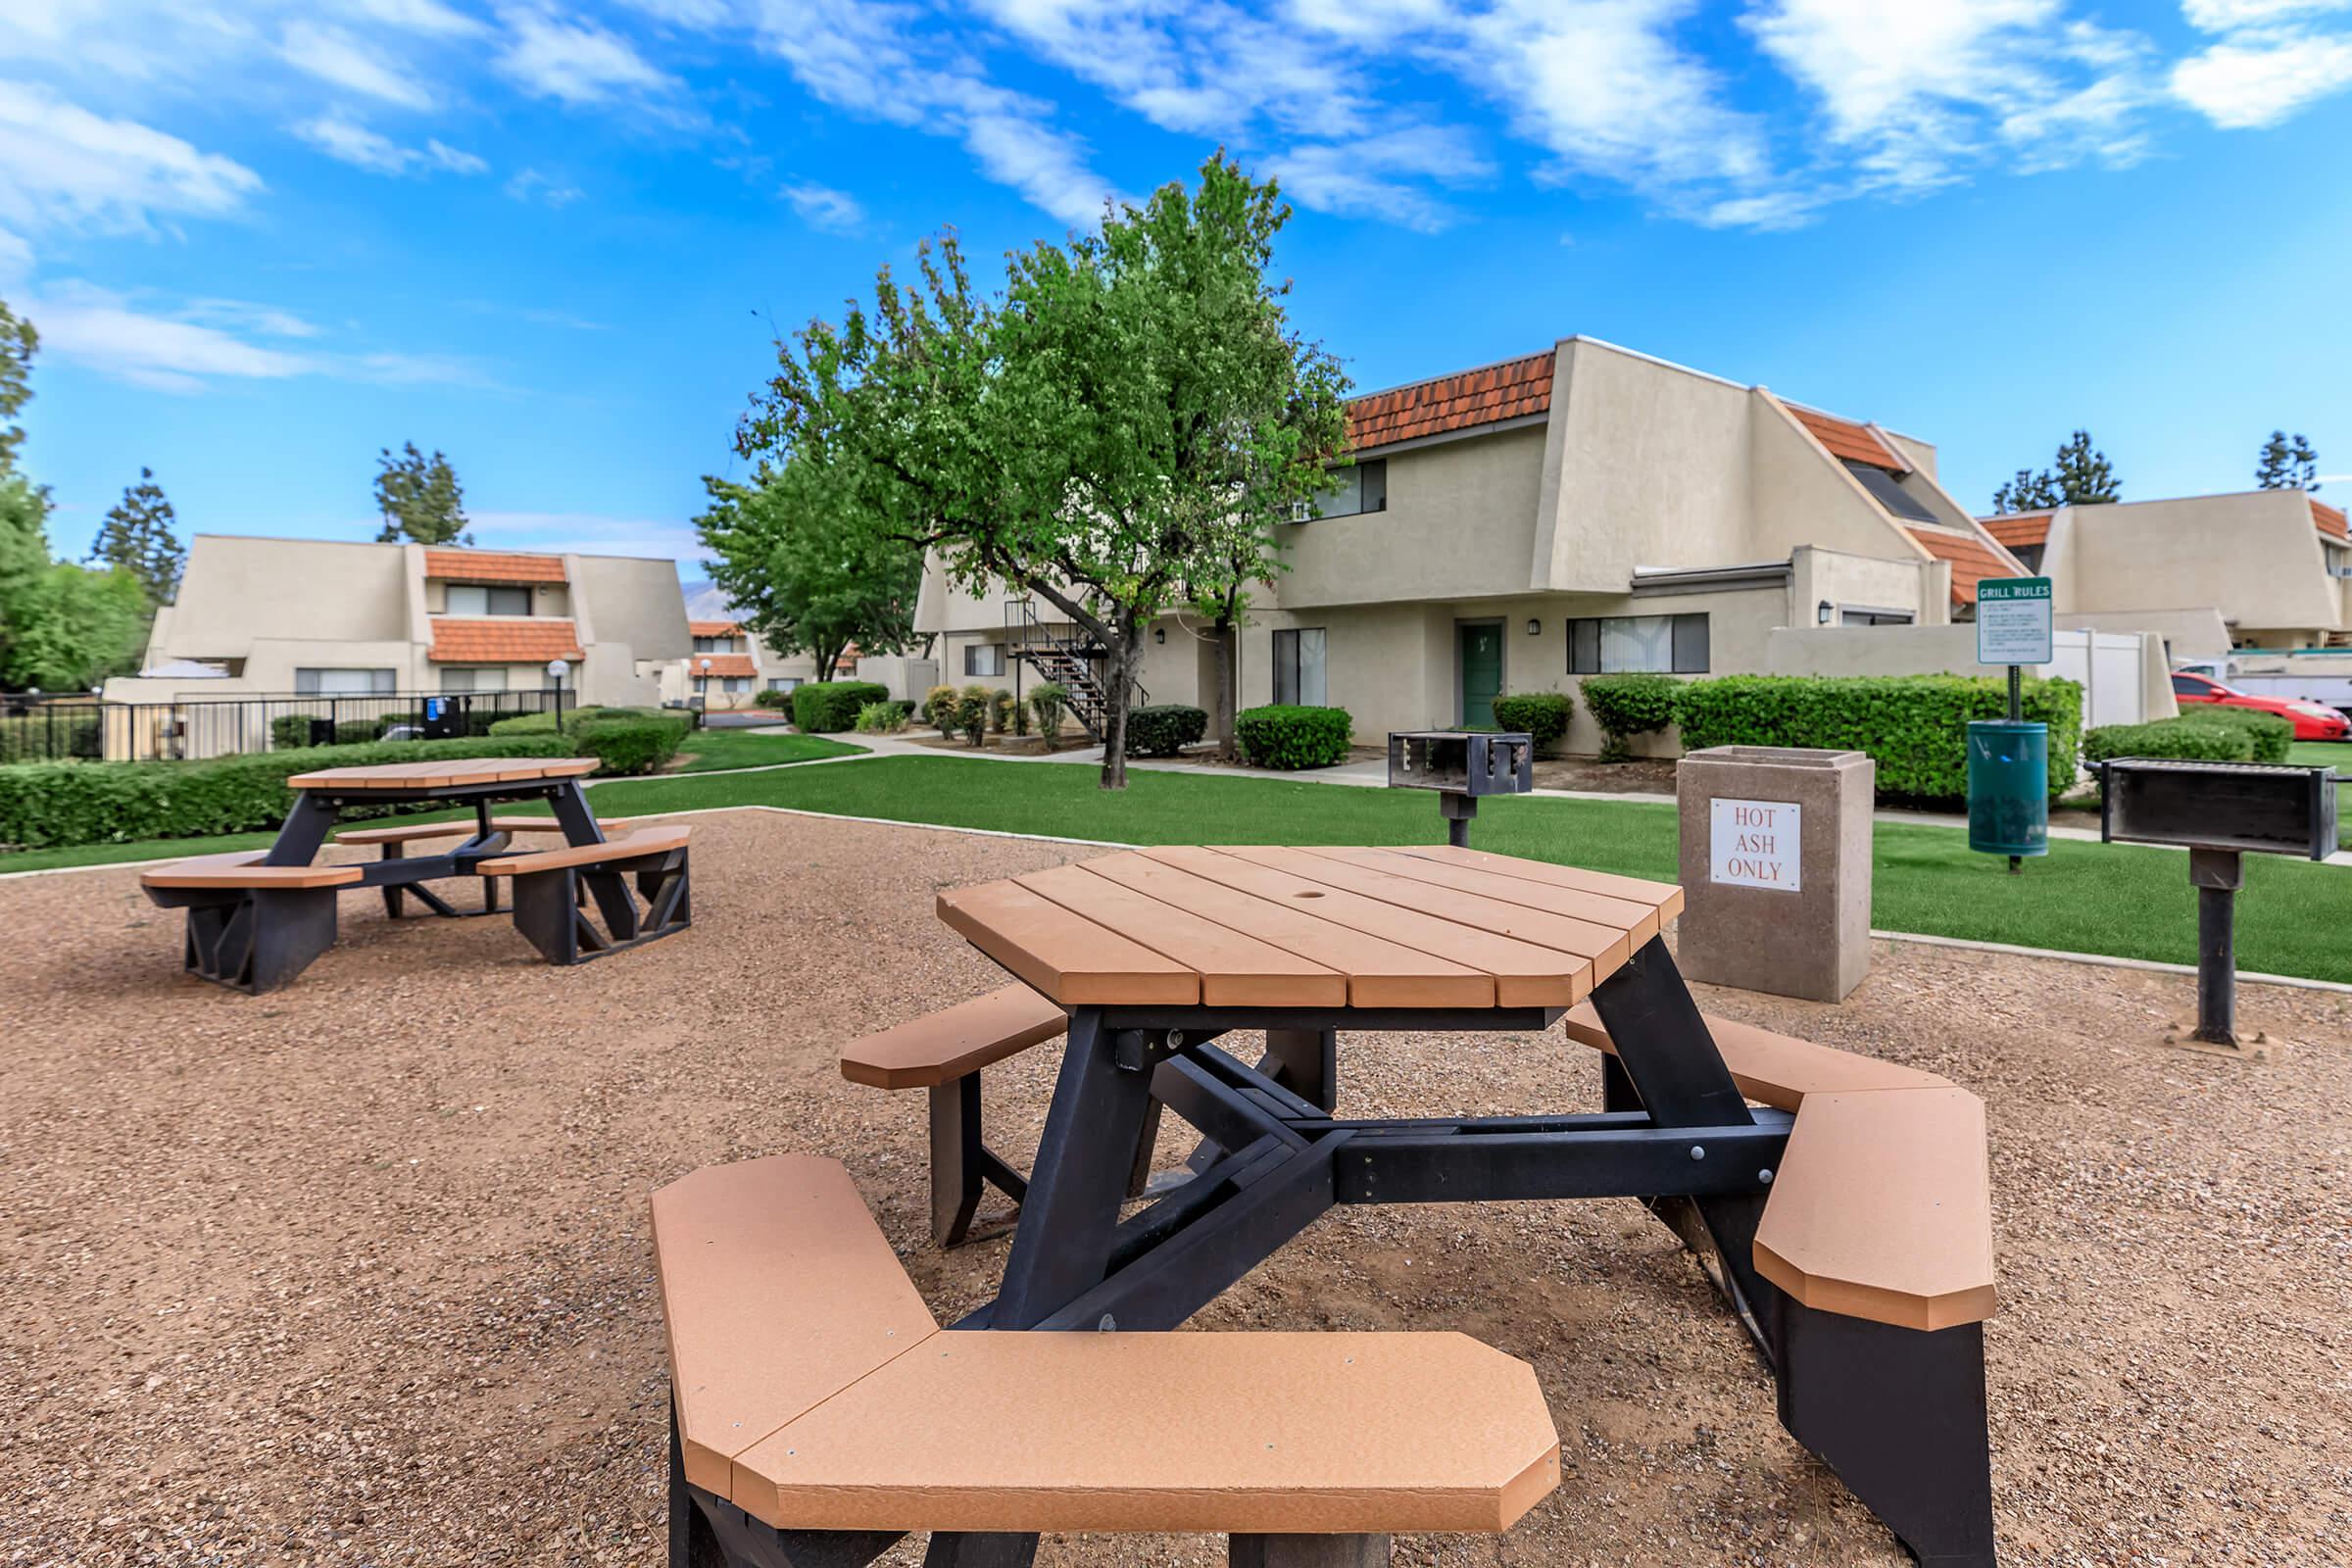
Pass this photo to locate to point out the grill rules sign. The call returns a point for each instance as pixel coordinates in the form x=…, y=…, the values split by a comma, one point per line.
x=1757, y=844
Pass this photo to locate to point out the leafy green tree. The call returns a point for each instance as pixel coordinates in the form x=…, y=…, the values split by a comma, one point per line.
x=420, y=499
x=75, y=626
x=2286, y=465
x=807, y=568
x=137, y=538
x=18, y=344
x=2080, y=476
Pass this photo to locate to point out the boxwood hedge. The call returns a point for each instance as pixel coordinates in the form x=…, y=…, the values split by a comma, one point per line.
x=2269, y=734
x=2183, y=737
x=1914, y=726
x=829, y=707
x=1282, y=735
x=1164, y=729
x=1542, y=716
x=46, y=805
x=634, y=743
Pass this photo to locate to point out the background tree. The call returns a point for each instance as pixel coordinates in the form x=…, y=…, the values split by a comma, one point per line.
x=137, y=537
x=2080, y=476
x=2286, y=465
x=420, y=499
x=18, y=344
x=806, y=569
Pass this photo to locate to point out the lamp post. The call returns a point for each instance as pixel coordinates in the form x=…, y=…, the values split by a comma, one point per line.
x=556, y=669
x=703, y=691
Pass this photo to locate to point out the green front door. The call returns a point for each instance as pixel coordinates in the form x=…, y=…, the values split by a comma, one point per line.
x=1482, y=673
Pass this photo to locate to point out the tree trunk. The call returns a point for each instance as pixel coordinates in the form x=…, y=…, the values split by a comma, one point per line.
x=826, y=664
x=1229, y=645
x=1118, y=691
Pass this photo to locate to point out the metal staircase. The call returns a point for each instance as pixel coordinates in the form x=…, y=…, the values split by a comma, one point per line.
x=1067, y=654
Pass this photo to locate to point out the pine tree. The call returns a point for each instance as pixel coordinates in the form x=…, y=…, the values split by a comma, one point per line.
x=420, y=499
x=2081, y=476
x=137, y=537
x=2287, y=465
x=2028, y=492
x=18, y=341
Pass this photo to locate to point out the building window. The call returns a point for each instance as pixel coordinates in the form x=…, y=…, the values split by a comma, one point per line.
x=736, y=685
x=1363, y=487
x=343, y=682
x=984, y=658
x=716, y=645
x=784, y=683
x=1611, y=645
x=474, y=598
x=1890, y=495
x=2030, y=555
x=1298, y=666
x=1856, y=615
x=475, y=678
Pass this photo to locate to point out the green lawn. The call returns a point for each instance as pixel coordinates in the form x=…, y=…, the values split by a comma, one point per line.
x=709, y=750
x=2085, y=897
x=2337, y=754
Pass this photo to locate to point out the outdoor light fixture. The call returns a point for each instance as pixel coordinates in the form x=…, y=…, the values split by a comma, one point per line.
x=1160, y=634
x=1823, y=610
x=1534, y=627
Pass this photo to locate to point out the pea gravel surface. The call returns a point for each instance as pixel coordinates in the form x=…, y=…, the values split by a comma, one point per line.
x=358, y=1272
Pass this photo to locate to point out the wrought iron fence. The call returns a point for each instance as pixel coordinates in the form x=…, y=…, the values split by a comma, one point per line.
x=40, y=729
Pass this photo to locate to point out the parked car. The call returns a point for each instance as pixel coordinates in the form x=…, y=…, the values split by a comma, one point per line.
x=2313, y=721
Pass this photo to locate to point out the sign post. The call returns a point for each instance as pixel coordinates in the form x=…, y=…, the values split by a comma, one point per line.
x=2013, y=629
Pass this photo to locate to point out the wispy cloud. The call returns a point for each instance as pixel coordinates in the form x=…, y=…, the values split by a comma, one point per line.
x=2255, y=79
x=592, y=533
x=836, y=212
x=336, y=56
x=577, y=63
x=350, y=142
x=530, y=185
x=62, y=167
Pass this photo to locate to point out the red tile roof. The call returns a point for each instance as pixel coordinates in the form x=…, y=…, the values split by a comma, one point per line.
x=2019, y=528
x=1973, y=560
x=2330, y=519
x=1446, y=404
x=492, y=565
x=711, y=628
x=722, y=664
x=1847, y=440
x=503, y=639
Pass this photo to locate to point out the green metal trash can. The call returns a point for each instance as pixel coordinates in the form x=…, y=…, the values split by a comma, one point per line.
x=2008, y=787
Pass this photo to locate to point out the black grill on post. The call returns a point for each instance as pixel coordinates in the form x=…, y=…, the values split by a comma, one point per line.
x=1463, y=767
x=2218, y=811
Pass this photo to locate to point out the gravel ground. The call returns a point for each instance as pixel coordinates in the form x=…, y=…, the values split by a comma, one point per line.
x=358, y=1272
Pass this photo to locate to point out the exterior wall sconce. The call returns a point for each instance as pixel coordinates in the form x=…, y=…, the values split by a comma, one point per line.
x=1160, y=634
x=1534, y=627
x=1823, y=610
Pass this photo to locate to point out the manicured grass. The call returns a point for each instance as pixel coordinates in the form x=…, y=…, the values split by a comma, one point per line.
x=708, y=750
x=2335, y=754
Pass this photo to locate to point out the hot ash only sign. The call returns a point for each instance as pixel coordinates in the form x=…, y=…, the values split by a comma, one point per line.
x=1757, y=844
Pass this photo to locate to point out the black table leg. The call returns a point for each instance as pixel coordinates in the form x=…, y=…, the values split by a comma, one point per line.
x=570, y=804
x=302, y=833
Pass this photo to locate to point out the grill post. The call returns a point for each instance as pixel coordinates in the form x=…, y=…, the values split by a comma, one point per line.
x=2217, y=875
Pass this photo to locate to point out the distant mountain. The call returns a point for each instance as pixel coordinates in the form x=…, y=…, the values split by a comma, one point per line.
x=705, y=602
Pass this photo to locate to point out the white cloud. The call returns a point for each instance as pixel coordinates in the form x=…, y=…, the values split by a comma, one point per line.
x=354, y=144
x=2225, y=15
x=575, y=62
x=836, y=212
x=1047, y=167
x=244, y=316
x=530, y=185
x=1370, y=177
x=420, y=16
x=63, y=165
x=2256, y=80
x=592, y=533
x=335, y=55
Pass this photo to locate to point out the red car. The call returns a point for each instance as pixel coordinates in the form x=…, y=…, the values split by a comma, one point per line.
x=2313, y=721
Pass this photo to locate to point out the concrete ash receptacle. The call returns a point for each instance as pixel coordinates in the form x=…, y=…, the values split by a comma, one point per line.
x=1775, y=869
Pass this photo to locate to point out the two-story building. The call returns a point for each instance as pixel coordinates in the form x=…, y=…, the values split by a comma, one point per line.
x=730, y=667
x=329, y=617
x=1522, y=526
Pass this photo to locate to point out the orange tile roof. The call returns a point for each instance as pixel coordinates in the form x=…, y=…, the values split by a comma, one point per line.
x=2018, y=527
x=2330, y=519
x=492, y=565
x=1973, y=560
x=1847, y=440
x=503, y=639
x=1444, y=404
x=711, y=628
x=722, y=664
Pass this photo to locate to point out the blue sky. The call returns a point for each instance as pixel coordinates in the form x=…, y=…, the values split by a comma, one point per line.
x=263, y=240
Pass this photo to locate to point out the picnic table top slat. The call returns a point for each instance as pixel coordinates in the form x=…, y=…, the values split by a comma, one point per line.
x=447, y=773
x=1061, y=955
x=1236, y=968
x=1638, y=921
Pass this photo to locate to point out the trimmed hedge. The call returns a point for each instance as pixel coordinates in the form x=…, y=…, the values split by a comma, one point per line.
x=287, y=731
x=47, y=804
x=2183, y=737
x=829, y=707
x=29, y=739
x=1164, y=729
x=1283, y=735
x=1542, y=715
x=1627, y=704
x=2269, y=734
x=632, y=743
x=1914, y=726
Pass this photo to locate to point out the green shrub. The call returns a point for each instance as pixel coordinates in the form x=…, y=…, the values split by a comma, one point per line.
x=999, y=711
x=527, y=724
x=1915, y=727
x=1164, y=729
x=290, y=730
x=2184, y=737
x=1542, y=716
x=544, y=723
x=971, y=713
x=46, y=805
x=1047, y=701
x=1629, y=704
x=2269, y=734
x=41, y=738
x=1284, y=735
x=882, y=719
x=769, y=697
x=828, y=707
x=630, y=744
x=942, y=708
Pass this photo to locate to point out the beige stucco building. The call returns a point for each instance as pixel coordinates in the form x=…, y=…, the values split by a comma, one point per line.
x=324, y=617
x=729, y=666
x=1586, y=509
x=2268, y=569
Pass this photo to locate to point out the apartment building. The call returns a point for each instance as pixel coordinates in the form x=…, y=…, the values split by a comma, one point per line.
x=326, y=618
x=1522, y=526
x=730, y=667
x=2259, y=570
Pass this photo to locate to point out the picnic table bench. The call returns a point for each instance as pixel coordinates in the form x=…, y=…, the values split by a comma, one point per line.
x=257, y=920
x=1845, y=1211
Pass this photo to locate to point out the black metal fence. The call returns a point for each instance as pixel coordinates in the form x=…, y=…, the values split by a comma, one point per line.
x=43, y=729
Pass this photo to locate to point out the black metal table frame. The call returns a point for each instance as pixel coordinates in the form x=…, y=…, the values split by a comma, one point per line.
x=306, y=827
x=1898, y=1413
